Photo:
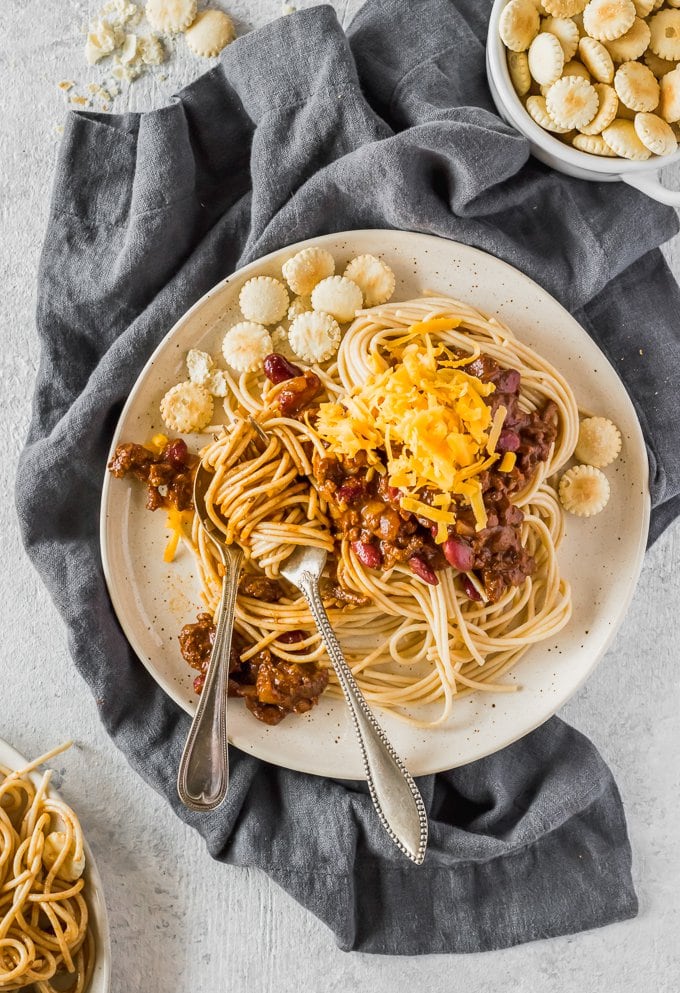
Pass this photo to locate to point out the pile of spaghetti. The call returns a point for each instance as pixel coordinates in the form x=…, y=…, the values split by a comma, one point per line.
x=417, y=412
x=45, y=941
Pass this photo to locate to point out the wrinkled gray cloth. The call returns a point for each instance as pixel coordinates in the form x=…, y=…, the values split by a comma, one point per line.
x=300, y=131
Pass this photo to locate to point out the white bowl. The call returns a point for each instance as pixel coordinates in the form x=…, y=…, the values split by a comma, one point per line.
x=555, y=153
x=99, y=921
x=600, y=556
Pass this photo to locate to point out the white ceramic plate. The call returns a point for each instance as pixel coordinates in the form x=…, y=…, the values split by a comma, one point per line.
x=101, y=977
x=601, y=556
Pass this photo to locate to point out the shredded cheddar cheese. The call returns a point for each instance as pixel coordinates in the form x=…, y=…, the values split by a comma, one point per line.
x=175, y=523
x=427, y=417
x=424, y=510
x=507, y=462
x=496, y=428
x=158, y=443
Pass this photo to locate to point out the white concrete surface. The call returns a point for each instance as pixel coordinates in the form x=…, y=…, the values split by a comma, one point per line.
x=180, y=922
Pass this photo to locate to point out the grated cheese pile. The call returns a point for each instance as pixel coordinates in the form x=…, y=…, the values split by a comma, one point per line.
x=425, y=416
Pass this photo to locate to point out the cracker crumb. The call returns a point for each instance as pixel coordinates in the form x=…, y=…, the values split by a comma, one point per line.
x=80, y=101
x=128, y=73
x=121, y=12
x=128, y=53
x=151, y=50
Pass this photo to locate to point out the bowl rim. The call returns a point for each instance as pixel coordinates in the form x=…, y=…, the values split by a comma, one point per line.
x=100, y=981
x=498, y=70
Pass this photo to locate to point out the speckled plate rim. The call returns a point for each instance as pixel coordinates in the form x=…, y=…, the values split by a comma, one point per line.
x=101, y=976
x=316, y=762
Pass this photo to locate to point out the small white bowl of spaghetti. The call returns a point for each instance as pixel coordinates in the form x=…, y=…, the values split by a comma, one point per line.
x=54, y=933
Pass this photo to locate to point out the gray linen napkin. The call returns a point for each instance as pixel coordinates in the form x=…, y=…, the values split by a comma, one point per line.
x=299, y=131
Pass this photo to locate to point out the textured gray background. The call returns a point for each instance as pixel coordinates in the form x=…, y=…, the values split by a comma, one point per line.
x=180, y=922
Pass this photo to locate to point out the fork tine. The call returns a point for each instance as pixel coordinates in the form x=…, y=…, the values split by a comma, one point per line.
x=258, y=428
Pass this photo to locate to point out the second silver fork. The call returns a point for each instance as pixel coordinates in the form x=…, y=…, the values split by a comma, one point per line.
x=395, y=795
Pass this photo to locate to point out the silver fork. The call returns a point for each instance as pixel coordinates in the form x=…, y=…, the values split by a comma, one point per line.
x=395, y=795
x=203, y=776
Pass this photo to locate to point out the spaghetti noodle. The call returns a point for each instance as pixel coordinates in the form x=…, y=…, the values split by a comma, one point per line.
x=45, y=940
x=409, y=642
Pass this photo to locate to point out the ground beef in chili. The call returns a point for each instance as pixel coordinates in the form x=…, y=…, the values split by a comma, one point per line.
x=271, y=687
x=260, y=588
x=366, y=510
x=196, y=642
x=169, y=475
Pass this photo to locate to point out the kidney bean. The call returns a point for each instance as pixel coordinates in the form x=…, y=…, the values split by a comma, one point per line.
x=458, y=553
x=298, y=392
x=421, y=568
x=292, y=637
x=470, y=591
x=484, y=367
x=508, y=381
x=177, y=453
x=350, y=491
x=277, y=368
x=508, y=441
x=368, y=554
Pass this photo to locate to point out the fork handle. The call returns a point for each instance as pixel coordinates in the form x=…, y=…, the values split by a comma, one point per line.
x=203, y=775
x=395, y=795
